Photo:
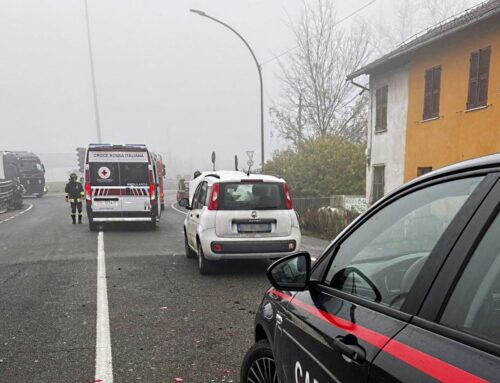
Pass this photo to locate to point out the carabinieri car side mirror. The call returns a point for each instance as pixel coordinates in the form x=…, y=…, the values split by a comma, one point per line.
x=291, y=273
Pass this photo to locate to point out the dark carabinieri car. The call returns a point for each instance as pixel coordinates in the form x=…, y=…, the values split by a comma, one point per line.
x=409, y=292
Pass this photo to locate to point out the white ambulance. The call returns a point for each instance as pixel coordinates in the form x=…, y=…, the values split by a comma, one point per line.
x=121, y=185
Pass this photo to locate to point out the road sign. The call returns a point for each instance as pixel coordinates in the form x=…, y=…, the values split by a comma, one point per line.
x=250, y=158
x=213, y=159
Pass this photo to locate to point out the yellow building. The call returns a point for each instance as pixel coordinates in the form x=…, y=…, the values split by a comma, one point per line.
x=435, y=100
x=459, y=129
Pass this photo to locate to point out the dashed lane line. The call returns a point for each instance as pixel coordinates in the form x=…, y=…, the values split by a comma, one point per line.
x=103, y=356
x=30, y=206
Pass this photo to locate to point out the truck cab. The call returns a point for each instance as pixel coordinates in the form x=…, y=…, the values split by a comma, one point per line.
x=29, y=169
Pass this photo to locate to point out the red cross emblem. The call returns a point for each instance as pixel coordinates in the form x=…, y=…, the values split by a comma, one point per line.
x=104, y=172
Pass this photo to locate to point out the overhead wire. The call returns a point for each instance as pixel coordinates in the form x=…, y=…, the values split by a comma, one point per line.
x=276, y=57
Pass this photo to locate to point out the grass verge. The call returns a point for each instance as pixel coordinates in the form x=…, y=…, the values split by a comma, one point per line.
x=55, y=187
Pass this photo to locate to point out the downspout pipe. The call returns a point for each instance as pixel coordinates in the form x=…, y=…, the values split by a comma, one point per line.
x=363, y=88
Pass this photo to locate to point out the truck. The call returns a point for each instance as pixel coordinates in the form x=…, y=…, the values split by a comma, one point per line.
x=182, y=189
x=161, y=172
x=28, y=168
x=11, y=190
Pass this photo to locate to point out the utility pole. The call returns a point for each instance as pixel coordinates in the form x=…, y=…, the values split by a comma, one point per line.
x=92, y=74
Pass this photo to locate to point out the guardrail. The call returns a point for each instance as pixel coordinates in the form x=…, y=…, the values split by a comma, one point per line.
x=6, y=194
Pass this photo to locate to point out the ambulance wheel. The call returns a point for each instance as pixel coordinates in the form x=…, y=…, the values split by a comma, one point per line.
x=205, y=266
x=152, y=225
x=92, y=226
x=258, y=364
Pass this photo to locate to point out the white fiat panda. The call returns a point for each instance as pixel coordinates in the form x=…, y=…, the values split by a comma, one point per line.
x=233, y=215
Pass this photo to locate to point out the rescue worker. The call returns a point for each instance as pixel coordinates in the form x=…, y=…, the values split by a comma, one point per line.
x=74, y=195
x=18, y=191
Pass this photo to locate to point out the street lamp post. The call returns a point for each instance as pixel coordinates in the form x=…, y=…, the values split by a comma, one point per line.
x=259, y=70
x=92, y=74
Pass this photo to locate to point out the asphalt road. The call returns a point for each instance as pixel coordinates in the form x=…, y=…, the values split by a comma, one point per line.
x=166, y=321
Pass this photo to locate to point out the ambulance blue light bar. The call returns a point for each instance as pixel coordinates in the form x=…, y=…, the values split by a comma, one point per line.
x=96, y=146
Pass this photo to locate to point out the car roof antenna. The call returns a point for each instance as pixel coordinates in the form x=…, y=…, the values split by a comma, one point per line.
x=250, y=160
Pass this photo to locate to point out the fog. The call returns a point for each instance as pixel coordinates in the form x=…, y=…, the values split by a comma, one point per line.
x=180, y=83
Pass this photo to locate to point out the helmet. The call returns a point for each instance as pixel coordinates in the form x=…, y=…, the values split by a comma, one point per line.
x=73, y=177
x=197, y=173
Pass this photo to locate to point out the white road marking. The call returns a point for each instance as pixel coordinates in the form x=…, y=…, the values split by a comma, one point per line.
x=180, y=211
x=103, y=358
x=30, y=206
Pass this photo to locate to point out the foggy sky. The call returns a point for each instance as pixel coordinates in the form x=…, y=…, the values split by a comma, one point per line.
x=180, y=83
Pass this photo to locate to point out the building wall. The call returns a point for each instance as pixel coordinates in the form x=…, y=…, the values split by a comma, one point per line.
x=388, y=147
x=457, y=134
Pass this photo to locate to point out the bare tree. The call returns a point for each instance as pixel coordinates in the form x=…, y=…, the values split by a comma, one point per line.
x=406, y=21
x=317, y=100
x=435, y=11
x=409, y=17
x=289, y=123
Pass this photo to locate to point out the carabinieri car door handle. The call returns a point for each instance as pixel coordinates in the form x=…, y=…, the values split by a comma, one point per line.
x=349, y=347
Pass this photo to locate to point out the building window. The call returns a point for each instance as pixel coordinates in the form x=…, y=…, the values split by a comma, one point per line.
x=378, y=182
x=431, y=93
x=381, y=109
x=478, y=78
x=423, y=170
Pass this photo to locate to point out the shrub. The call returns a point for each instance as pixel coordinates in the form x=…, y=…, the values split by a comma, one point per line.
x=321, y=167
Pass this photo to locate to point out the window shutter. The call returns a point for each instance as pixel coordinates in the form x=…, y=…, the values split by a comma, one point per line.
x=473, y=80
x=427, y=94
x=436, y=85
x=378, y=182
x=423, y=170
x=377, y=110
x=483, y=74
x=383, y=111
